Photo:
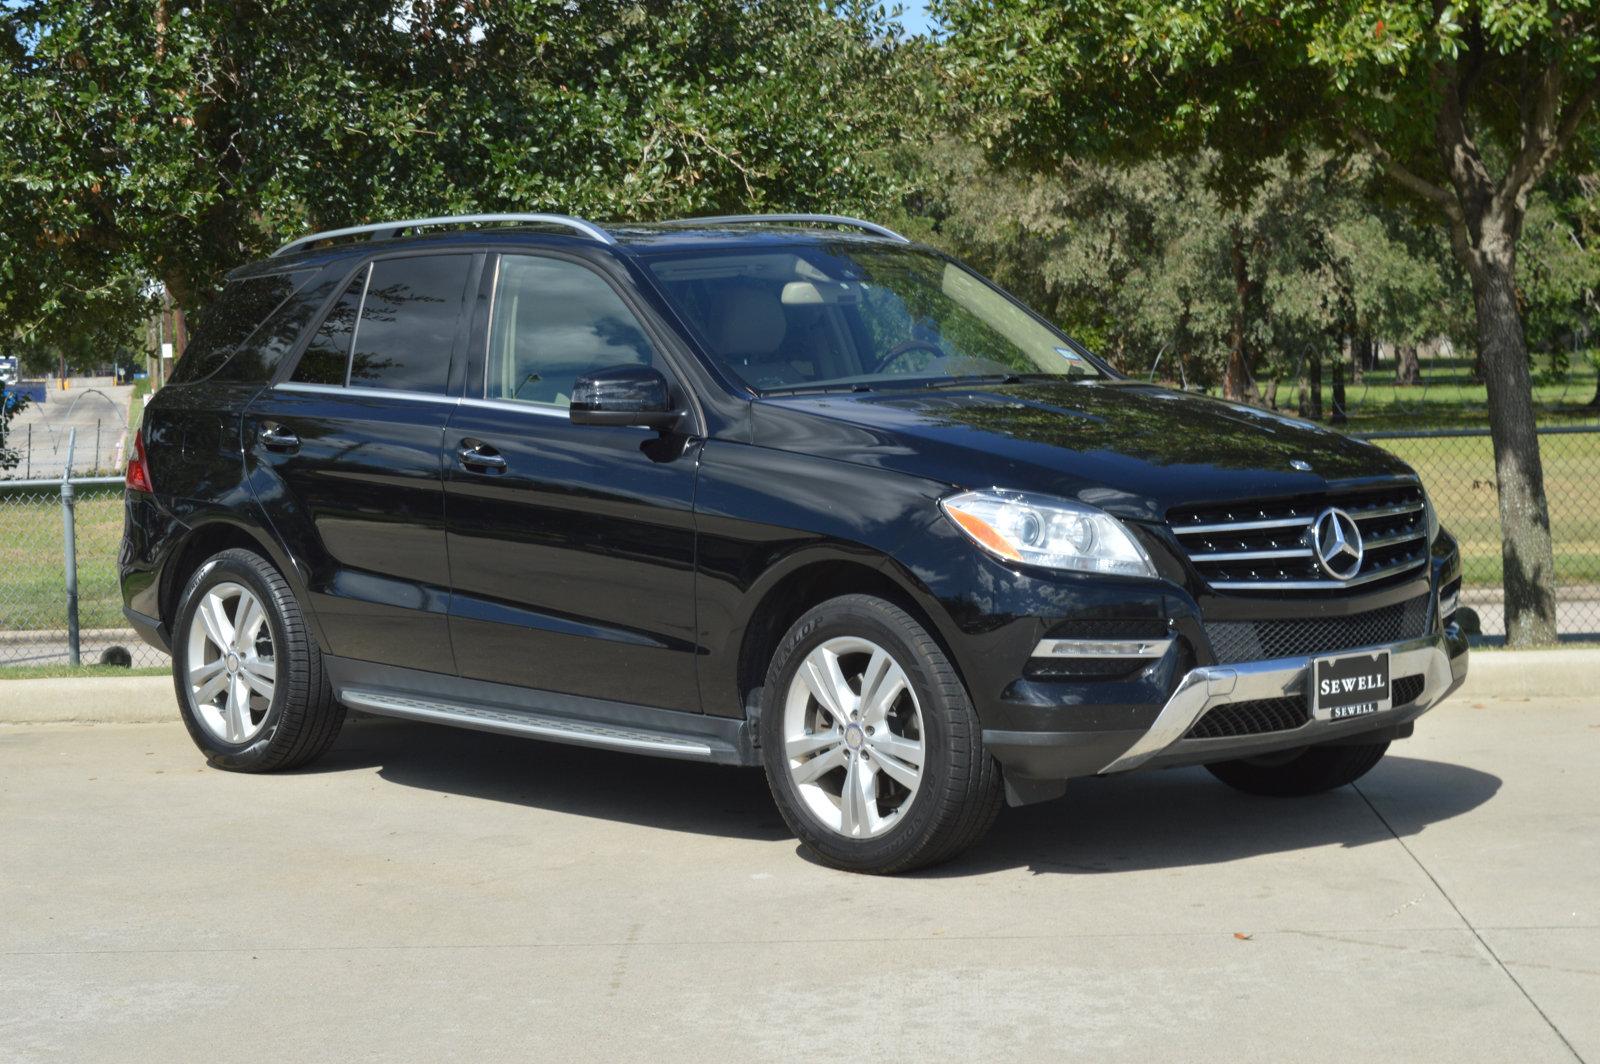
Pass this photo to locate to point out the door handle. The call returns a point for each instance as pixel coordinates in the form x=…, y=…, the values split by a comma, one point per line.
x=277, y=438
x=478, y=457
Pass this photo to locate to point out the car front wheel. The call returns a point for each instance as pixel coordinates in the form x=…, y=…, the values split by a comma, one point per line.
x=872, y=748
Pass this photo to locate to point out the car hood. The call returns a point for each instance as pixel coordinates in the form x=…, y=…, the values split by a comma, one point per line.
x=1131, y=448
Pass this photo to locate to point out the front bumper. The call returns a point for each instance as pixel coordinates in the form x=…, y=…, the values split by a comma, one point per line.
x=1049, y=756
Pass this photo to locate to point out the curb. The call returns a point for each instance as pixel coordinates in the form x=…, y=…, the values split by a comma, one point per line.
x=89, y=700
x=1531, y=673
x=1502, y=674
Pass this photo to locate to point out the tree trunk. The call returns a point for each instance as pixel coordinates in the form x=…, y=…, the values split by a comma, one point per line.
x=1525, y=550
x=1236, y=382
x=1272, y=394
x=1338, y=416
x=1407, y=368
x=1311, y=395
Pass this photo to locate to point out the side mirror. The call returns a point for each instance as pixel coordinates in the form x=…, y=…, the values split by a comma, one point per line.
x=624, y=395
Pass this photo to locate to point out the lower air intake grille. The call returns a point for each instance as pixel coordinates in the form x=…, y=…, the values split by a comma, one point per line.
x=1278, y=714
x=1250, y=718
x=1407, y=690
x=1236, y=641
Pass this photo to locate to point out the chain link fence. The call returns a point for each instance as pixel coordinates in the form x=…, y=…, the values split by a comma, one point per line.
x=1457, y=467
x=59, y=599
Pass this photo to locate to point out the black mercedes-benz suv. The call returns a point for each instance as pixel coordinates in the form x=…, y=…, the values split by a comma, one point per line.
x=787, y=491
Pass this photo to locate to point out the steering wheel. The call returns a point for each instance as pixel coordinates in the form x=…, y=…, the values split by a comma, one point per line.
x=902, y=349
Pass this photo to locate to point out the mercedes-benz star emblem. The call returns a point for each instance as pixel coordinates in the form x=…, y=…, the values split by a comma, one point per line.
x=1337, y=543
x=1300, y=464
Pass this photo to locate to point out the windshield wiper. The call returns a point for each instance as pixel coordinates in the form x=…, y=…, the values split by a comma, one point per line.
x=993, y=378
x=816, y=389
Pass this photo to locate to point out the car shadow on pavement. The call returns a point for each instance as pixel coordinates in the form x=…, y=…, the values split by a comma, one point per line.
x=685, y=796
x=1178, y=818
x=1145, y=820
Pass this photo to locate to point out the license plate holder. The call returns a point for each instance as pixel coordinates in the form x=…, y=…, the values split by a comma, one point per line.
x=1345, y=686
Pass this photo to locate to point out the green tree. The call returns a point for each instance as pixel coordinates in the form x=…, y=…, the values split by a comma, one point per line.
x=151, y=140
x=11, y=404
x=1146, y=263
x=1465, y=107
x=1558, y=271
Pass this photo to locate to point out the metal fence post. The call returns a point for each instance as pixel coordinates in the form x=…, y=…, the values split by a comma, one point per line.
x=69, y=550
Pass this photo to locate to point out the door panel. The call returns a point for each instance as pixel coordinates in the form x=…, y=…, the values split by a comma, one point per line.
x=346, y=459
x=358, y=502
x=571, y=546
x=573, y=570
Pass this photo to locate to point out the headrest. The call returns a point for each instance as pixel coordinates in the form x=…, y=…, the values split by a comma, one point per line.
x=751, y=322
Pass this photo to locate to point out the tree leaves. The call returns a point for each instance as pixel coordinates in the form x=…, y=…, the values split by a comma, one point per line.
x=153, y=141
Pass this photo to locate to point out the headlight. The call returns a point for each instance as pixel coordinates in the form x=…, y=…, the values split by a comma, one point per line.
x=1054, y=533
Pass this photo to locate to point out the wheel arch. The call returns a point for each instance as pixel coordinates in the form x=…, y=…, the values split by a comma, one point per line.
x=212, y=537
x=800, y=583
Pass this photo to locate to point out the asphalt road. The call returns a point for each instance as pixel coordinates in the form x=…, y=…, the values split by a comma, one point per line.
x=95, y=406
x=430, y=895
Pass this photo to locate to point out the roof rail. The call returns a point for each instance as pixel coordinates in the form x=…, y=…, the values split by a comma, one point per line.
x=387, y=230
x=809, y=219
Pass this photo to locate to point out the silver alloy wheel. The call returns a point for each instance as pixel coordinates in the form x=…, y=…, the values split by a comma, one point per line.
x=232, y=669
x=852, y=730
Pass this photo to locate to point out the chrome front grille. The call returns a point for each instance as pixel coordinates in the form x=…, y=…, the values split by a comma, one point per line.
x=1269, y=546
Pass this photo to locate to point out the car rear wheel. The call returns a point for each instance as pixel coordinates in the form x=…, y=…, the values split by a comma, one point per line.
x=872, y=749
x=1311, y=771
x=248, y=674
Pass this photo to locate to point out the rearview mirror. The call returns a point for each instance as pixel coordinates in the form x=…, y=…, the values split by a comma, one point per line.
x=624, y=395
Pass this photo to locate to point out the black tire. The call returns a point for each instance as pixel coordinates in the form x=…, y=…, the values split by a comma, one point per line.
x=960, y=793
x=303, y=719
x=1312, y=771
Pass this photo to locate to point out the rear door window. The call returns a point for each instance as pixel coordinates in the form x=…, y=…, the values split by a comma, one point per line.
x=393, y=328
x=408, y=323
x=326, y=359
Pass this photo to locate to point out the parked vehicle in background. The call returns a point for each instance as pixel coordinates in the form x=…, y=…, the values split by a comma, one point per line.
x=8, y=370
x=787, y=491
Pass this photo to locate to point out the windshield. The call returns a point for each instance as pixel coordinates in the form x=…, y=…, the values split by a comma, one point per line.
x=846, y=316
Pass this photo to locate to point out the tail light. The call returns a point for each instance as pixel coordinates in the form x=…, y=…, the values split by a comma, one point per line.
x=138, y=468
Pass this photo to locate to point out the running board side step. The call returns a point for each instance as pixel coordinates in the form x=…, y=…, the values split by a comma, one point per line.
x=533, y=725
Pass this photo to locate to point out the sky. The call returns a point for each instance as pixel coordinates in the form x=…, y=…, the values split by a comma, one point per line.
x=915, y=18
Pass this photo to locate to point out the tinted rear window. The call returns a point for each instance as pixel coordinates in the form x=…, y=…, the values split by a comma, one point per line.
x=257, y=361
x=408, y=323
x=230, y=320
x=327, y=357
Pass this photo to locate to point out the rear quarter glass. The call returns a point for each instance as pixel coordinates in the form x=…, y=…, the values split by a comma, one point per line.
x=231, y=321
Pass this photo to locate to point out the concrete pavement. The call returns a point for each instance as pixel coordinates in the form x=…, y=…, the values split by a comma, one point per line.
x=433, y=895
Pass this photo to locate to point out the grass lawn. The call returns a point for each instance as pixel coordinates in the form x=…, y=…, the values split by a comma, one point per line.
x=1447, y=397
x=33, y=573
x=1459, y=474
